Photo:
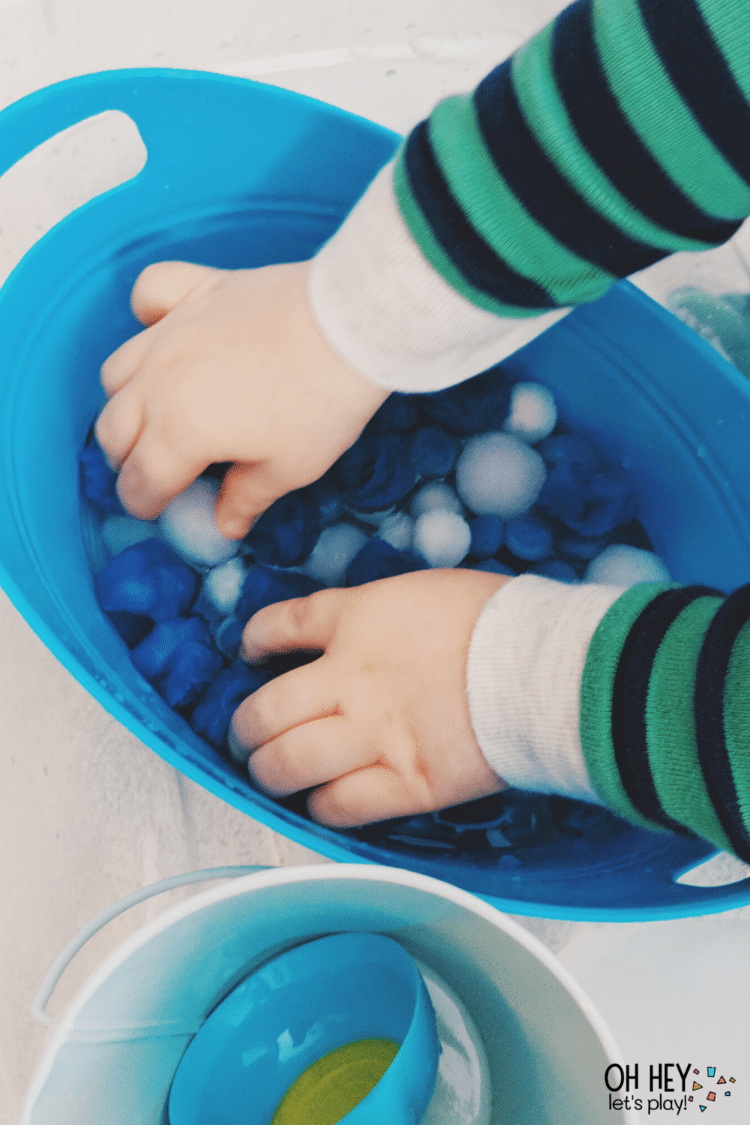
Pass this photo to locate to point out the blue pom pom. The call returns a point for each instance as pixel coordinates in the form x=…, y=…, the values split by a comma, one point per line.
x=213, y=712
x=552, y=568
x=98, y=482
x=398, y=412
x=434, y=452
x=132, y=627
x=474, y=407
x=379, y=559
x=265, y=586
x=376, y=473
x=487, y=534
x=495, y=567
x=179, y=658
x=580, y=548
x=325, y=496
x=287, y=532
x=148, y=579
x=571, y=450
x=529, y=537
x=229, y=635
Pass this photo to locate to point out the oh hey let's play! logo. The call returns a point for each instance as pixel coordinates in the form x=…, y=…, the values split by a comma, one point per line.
x=667, y=1087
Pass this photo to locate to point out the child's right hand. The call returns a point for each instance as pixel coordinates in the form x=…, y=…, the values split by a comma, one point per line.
x=231, y=367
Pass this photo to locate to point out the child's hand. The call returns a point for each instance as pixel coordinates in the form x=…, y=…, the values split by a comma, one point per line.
x=231, y=367
x=380, y=722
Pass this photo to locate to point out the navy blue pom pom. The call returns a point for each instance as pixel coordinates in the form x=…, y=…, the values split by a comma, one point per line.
x=434, y=452
x=376, y=472
x=132, y=627
x=487, y=534
x=495, y=567
x=378, y=559
x=286, y=532
x=473, y=407
x=398, y=412
x=264, y=585
x=179, y=658
x=552, y=568
x=529, y=537
x=98, y=482
x=213, y=712
x=148, y=579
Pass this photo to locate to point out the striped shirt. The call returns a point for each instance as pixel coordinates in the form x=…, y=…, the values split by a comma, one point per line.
x=618, y=135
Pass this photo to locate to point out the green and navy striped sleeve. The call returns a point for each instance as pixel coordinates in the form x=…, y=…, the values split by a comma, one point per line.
x=618, y=135
x=665, y=711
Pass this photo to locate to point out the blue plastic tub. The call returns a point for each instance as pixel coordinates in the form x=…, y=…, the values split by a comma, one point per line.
x=241, y=174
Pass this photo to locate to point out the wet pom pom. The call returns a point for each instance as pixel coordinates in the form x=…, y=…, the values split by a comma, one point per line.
x=398, y=530
x=378, y=559
x=472, y=407
x=619, y=565
x=188, y=525
x=529, y=537
x=213, y=712
x=98, y=481
x=442, y=538
x=487, y=536
x=376, y=472
x=265, y=585
x=223, y=584
x=148, y=579
x=434, y=452
x=499, y=475
x=434, y=497
x=286, y=532
x=333, y=552
x=533, y=414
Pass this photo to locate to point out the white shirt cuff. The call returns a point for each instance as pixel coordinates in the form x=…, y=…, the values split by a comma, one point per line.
x=391, y=316
x=524, y=673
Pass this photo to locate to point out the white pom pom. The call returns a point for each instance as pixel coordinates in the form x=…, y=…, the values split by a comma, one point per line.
x=189, y=526
x=119, y=532
x=333, y=552
x=435, y=497
x=223, y=585
x=619, y=565
x=533, y=414
x=442, y=538
x=398, y=530
x=499, y=475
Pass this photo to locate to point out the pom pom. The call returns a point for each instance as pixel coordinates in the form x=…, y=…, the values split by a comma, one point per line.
x=498, y=475
x=325, y=497
x=533, y=414
x=442, y=538
x=553, y=568
x=580, y=548
x=619, y=565
x=398, y=412
x=119, y=532
x=179, y=658
x=472, y=407
x=265, y=585
x=495, y=567
x=398, y=530
x=578, y=490
x=98, y=481
x=131, y=626
x=213, y=712
x=378, y=559
x=487, y=535
x=529, y=538
x=287, y=532
x=333, y=552
x=375, y=472
x=435, y=497
x=222, y=586
x=148, y=579
x=434, y=452
x=228, y=637
x=189, y=526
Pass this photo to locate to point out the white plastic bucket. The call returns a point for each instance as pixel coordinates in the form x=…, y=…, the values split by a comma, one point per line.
x=111, y=1056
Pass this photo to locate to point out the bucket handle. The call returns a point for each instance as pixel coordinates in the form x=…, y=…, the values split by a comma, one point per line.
x=169, y=107
x=52, y=978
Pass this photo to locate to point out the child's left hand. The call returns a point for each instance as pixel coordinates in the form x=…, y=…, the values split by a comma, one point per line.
x=380, y=723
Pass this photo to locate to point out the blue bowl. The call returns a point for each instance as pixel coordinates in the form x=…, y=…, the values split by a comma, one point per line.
x=299, y=1007
x=241, y=174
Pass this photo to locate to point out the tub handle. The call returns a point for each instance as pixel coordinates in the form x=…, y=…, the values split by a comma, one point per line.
x=52, y=978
